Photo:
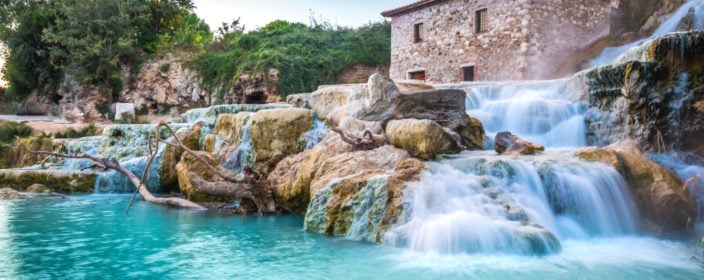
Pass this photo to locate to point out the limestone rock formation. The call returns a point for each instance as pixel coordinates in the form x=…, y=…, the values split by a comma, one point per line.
x=172, y=155
x=276, y=133
x=506, y=143
x=189, y=164
x=165, y=83
x=659, y=194
x=8, y=193
x=38, y=188
x=651, y=96
x=422, y=138
x=361, y=202
x=61, y=181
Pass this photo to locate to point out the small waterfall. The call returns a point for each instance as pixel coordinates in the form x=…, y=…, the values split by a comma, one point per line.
x=611, y=54
x=316, y=133
x=243, y=155
x=543, y=112
x=494, y=204
x=78, y=146
x=699, y=16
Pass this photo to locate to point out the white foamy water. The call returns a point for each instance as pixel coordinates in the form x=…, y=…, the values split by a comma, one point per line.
x=611, y=54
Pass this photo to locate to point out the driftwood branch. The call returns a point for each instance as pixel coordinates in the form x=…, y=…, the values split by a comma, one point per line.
x=365, y=141
x=252, y=186
x=141, y=188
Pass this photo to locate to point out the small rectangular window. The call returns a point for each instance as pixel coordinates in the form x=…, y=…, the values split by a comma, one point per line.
x=417, y=75
x=418, y=32
x=468, y=73
x=481, y=21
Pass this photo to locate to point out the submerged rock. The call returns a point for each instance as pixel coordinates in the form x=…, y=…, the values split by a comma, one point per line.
x=38, y=188
x=506, y=143
x=659, y=194
x=62, y=181
x=8, y=193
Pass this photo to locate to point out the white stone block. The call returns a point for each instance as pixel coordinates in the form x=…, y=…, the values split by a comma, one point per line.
x=121, y=108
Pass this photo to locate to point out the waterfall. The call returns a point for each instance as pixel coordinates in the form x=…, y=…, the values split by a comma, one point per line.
x=243, y=155
x=611, y=54
x=524, y=205
x=544, y=112
x=316, y=133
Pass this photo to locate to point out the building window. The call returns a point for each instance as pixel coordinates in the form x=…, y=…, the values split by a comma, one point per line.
x=481, y=21
x=418, y=32
x=417, y=75
x=468, y=73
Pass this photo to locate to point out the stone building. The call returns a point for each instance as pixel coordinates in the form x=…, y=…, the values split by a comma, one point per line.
x=447, y=41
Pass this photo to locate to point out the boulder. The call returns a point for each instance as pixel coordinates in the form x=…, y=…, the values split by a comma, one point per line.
x=422, y=138
x=276, y=133
x=38, y=188
x=172, y=155
x=659, y=194
x=190, y=164
x=506, y=143
x=292, y=177
x=8, y=193
x=342, y=165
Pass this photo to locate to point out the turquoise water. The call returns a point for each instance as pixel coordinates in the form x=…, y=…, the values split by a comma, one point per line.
x=90, y=237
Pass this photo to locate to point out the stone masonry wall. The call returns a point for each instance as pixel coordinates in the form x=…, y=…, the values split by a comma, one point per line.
x=559, y=30
x=511, y=49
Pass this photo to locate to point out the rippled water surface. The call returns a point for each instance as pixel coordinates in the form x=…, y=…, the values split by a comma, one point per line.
x=90, y=237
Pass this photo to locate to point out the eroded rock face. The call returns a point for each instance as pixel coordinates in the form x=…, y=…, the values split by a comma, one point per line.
x=651, y=96
x=189, y=164
x=659, y=194
x=61, y=181
x=381, y=101
x=506, y=143
x=362, y=204
x=276, y=133
x=165, y=83
x=172, y=155
x=8, y=193
x=292, y=177
x=422, y=138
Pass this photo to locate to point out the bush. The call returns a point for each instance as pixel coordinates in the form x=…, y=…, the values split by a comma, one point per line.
x=90, y=130
x=9, y=131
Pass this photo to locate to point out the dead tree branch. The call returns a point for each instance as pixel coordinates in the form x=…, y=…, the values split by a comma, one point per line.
x=365, y=141
x=143, y=191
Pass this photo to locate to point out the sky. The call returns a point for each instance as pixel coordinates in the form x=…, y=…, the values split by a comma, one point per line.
x=257, y=13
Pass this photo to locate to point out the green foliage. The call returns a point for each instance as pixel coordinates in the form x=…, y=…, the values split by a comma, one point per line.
x=91, y=40
x=28, y=67
x=9, y=131
x=305, y=56
x=90, y=130
x=164, y=67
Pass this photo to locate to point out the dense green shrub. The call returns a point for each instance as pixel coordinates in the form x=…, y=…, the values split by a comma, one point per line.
x=305, y=56
x=90, y=130
x=9, y=131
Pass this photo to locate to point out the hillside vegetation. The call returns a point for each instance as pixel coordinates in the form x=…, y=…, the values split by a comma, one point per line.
x=95, y=42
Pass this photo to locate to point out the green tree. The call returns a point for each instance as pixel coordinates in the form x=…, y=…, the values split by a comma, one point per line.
x=94, y=38
x=28, y=67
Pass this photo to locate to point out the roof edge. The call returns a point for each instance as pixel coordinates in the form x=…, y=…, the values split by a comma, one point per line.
x=410, y=8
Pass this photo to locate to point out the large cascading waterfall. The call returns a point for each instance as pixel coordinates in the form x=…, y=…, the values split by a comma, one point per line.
x=611, y=54
x=483, y=203
x=544, y=112
x=525, y=205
